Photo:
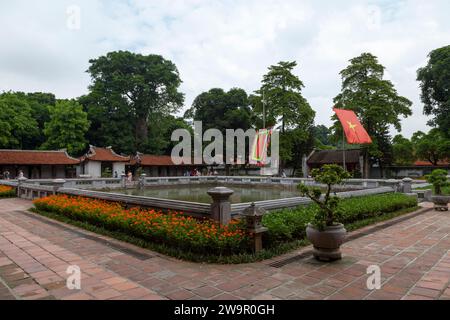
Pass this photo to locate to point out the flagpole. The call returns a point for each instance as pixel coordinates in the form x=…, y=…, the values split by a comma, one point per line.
x=264, y=110
x=343, y=148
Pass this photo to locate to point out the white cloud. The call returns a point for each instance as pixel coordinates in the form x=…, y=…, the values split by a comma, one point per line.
x=224, y=43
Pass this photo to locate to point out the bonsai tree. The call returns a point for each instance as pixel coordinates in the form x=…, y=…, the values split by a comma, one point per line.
x=329, y=175
x=438, y=178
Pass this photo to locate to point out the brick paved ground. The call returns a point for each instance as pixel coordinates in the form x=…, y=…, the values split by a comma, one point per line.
x=414, y=256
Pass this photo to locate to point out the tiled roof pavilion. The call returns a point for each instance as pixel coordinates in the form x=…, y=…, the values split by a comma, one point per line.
x=36, y=157
x=104, y=154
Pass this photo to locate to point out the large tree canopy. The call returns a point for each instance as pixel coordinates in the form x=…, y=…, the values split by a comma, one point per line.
x=18, y=128
x=221, y=110
x=435, y=84
x=375, y=101
x=280, y=100
x=282, y=94
x=432, y=147
x=129, y=93
x=67, y=127
x=403, y=150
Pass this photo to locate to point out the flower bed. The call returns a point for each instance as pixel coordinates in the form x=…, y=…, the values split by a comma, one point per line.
x=172, y=229
x=7, y=192
x=203, y=240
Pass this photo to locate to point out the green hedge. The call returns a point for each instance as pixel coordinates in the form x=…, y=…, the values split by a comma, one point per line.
x=290, y=224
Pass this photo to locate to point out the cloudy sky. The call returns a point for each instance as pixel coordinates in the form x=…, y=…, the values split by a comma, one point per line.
x=226, y=43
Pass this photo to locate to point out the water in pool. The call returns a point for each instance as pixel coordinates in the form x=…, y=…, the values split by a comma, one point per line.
x=197, y=193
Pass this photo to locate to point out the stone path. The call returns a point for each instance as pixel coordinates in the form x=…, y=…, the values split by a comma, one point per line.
x=413, y=254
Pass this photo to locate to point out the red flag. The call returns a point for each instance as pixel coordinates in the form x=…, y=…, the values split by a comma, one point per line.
x=354, y=131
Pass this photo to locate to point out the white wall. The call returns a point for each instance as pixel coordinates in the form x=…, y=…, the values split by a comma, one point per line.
x=119, y=167
x=93, y=168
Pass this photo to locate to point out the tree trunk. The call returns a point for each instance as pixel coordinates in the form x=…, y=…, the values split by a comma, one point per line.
x=141, y=131
x=366, y=164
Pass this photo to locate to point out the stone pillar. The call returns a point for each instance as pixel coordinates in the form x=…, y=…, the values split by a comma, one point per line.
x=253, y=216
x=407, y=185
x=123, y=176
x=221, y=206
x=57, y=184
x=20, y=182
x=305, y=166
x=361, y=165
x=141, y=184
x=393, y=184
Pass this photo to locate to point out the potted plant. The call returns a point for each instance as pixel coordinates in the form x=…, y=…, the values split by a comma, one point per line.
x=438, y=178
x=325, y=232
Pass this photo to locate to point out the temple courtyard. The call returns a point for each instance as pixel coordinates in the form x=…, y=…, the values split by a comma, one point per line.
x=412, y=252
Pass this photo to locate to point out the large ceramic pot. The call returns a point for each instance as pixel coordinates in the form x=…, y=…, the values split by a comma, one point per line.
x=327, y=242
x=440, y=202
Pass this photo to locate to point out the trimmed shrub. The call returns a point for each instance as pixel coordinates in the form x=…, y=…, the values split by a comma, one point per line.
x=290, y=224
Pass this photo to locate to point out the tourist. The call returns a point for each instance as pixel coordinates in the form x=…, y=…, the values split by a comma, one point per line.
x=20, y=176
x=130, y=176
x=116, y=175
x=6, y=175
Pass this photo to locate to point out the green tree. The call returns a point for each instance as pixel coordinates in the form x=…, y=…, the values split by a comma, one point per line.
x=432, y=147
x=67, y=127
x=438, y=178
x=435, y=83
x=17, y=125
x=329, y=175
x=161, y=134
x=376, y=103
x=280, y=100
x=322, y=137
x=282, y=92
x=129, y=93
x=403, y=150
x=221, y=110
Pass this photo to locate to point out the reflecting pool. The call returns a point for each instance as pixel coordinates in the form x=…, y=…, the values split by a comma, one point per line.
x=197, y=193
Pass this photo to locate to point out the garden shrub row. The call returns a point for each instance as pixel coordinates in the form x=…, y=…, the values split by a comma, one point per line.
x=289, y=224
x=7, y=192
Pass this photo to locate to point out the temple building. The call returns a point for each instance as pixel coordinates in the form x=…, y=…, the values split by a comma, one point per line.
x=102, y=162
x=37, y=164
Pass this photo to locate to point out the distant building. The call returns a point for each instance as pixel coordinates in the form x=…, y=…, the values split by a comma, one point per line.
x=38, y=164
x=420, y=168
x=162, y=166
x=98, y=161
x=353, y=159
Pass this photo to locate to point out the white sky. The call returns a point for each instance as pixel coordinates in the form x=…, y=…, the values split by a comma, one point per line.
x=225, y=44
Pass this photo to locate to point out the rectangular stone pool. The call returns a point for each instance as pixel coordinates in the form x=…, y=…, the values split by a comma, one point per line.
x=198, y=193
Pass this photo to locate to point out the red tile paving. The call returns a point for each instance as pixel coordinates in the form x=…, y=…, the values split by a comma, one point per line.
x=413, y=254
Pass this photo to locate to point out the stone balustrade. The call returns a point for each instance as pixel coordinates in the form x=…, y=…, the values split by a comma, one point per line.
x=221, y=208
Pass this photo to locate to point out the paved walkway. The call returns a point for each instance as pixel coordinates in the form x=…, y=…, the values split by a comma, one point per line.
x=413, y=254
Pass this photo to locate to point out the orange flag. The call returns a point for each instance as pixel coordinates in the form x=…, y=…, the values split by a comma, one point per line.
x=354, y=131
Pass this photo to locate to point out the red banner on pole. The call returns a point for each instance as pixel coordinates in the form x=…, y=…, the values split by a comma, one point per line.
x=354, y=131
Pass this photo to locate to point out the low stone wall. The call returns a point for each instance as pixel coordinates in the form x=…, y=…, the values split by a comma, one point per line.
x=221, y=208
